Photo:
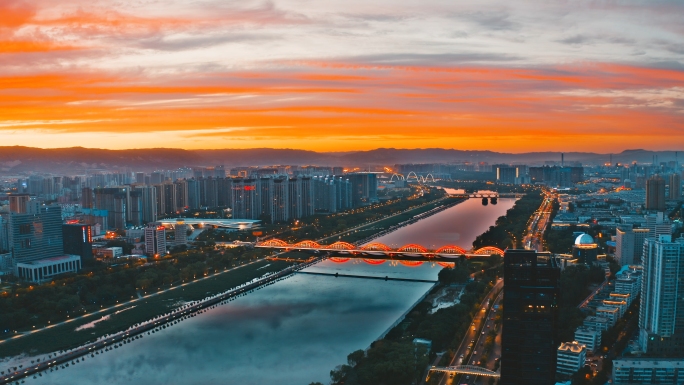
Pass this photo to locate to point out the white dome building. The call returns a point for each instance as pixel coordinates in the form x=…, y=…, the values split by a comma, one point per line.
x=585, y=250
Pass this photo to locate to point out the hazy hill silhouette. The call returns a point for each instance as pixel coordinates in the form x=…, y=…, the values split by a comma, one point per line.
x=78, y=159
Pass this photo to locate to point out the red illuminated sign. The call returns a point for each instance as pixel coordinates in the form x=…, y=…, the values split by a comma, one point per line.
x=250, y=188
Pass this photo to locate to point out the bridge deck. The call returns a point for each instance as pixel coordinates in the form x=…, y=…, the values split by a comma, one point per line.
x=367, y=277
x=465, y=369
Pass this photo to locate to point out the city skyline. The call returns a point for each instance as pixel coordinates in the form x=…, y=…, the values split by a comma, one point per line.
x=604, y=77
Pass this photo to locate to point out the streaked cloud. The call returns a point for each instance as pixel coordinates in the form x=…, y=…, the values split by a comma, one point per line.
x=317, y=75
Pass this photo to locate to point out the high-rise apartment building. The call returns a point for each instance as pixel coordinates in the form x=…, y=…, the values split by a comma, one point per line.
x=180, y=232
x=675, y=187
x=87, y=198
x=18, y=203
x=655, y=193
x=507, y=174
x=629, y=245
x=661, y=315
x=245, y=199
x=155, y=239
x=148, y=197
x=280, y=204
x=364, y=188
x=530, y=317
x=114, y=200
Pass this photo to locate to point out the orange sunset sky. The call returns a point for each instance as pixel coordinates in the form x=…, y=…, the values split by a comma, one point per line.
x=340, y=75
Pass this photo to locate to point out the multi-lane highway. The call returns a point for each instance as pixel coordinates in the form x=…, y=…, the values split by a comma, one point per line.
x=534, y=237
x=471, y=347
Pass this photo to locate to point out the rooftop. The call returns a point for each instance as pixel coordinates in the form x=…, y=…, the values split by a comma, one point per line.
x=584, y=239
x=665, y=363
x=52, y=260
x=574, y=347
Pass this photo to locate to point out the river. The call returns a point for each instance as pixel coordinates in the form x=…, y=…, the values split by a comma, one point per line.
x=293, y=332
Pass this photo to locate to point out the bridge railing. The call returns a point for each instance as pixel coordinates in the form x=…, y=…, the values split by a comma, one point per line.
x=465, y=369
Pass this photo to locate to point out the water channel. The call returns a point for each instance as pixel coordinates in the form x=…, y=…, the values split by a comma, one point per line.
x=293, y=332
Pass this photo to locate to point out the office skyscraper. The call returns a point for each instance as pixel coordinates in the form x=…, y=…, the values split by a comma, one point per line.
x=530, y=317
x=661, y=316
x=655, y=193
x=78, y=240
x=34, y=236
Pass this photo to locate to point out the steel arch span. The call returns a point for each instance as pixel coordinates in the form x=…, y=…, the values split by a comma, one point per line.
x=339, y=260
x=399, y=177
x=451, y=249
x=376, y=246
x=489, y=250
x=340, y=246
x=420, y=178
x=412, y=248
x=274, y=243
x=306, y=245
x=446, y=264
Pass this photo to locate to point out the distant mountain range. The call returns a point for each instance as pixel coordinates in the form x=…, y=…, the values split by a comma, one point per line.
x=79, y=160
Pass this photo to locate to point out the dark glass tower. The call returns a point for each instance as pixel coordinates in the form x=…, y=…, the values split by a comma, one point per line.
x=78, y=240
x=530, y=317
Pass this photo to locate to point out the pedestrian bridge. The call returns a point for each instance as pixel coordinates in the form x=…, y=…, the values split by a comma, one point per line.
x=471, y=370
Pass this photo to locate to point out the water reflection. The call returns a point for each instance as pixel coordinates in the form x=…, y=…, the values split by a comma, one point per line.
x=293, y=332
x=458, y=225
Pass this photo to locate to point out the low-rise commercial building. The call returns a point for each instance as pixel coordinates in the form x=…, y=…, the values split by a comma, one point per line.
x=597, y=323
x=108, y=252
x=588, y=337
x=570, y=357
x=629, y=286
x=620, y=304
x=648, y=371
x=612, y=313
x=44, y=270
x=622, y=297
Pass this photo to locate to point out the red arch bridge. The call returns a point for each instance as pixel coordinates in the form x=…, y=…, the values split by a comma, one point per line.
x=463, y=369
x=378, y=252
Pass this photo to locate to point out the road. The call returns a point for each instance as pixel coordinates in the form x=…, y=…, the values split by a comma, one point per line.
x=127, y=303
x=468, y=350
x=534, y=237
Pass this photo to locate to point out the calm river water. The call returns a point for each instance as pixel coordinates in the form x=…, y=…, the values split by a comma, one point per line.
x=293, y=332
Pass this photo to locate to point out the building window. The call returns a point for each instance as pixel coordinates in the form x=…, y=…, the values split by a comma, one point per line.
x=25, y=228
